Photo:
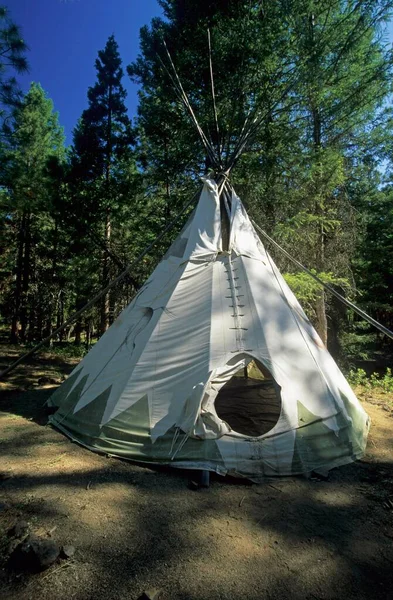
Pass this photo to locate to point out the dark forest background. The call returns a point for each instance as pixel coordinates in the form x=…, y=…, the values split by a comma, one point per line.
x=317, y=175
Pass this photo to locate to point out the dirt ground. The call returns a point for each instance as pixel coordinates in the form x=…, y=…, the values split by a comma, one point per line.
x=136, y=528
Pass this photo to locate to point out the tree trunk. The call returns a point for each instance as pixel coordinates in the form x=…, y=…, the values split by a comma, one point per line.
x=105, y=301
x=88, y=332
x=270, y=174
x=40, y=326
x=60, y=314
x=14, y=338
x=52, y=308
x=167, y=183
x=25, y=278
x=320, y=306
x=78, y=332
x=54, y=296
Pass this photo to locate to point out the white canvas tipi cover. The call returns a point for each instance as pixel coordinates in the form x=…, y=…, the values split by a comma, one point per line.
x=147, y=389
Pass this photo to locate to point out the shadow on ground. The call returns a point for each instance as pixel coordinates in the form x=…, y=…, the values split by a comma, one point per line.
x=31, y=371
x=135, y=528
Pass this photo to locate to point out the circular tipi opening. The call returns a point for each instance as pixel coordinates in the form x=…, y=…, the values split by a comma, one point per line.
x=250, y=402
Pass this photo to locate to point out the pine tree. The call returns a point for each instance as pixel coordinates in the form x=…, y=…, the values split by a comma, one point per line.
x=248, y=43
x=314, y=73
x=27, y=195
x=372, y=194
x=344, y=69
x=101, y=155
x=12, y=59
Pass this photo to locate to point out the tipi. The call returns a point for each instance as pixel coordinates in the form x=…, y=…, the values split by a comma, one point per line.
x=162, y=385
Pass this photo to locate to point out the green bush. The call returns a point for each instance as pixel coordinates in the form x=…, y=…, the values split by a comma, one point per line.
x=375, y=381
x=358, y=377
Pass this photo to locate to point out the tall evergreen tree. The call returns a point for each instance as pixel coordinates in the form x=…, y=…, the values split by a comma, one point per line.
x=101, y=155
x=38, y=139
x=372, y=194
x=344, y=67
x=313, y=74
x=248, y=46
x=12, y=59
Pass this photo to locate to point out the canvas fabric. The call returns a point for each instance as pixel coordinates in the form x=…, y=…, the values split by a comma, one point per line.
x=147, y=389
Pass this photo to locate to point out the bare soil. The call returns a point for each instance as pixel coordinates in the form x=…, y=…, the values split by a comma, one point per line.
x=136, y=528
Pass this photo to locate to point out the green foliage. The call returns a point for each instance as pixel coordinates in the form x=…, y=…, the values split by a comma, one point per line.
x=358, y=346
x=382, y=383
x=29, y=187
x=374, y=263
x=306, y=289
x=101, y=156
x=104, y=133
x=36, y=140
x=101, y=184
x=68, y=350
x=313, y=76
x=358, y=377
x=12, y=60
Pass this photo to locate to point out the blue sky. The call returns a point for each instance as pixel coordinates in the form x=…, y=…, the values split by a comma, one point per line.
x=64, y=37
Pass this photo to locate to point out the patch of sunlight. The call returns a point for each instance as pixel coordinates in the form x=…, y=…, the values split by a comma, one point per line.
x=216, y=531
x=334, y=497
x=11, y=416
x=253, y=371
x=6, y=386
x=251, y=569
x=302, y=561
x=65, y=463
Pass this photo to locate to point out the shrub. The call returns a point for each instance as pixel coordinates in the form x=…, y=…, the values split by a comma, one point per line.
x=375, y=381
